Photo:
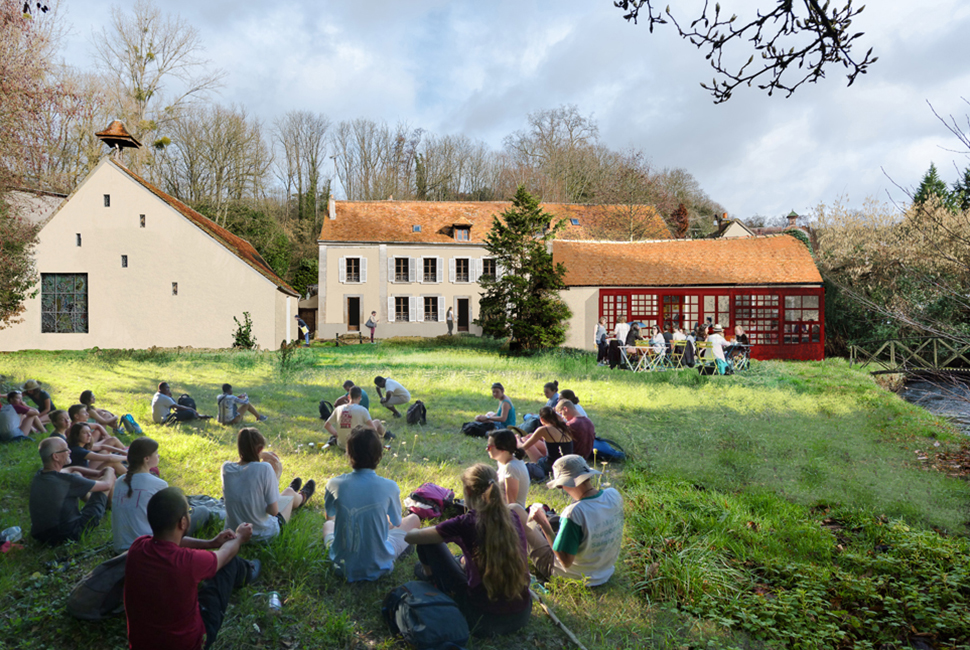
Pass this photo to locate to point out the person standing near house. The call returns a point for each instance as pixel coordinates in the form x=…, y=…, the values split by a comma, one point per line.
x=450, y=319
x=372, y=324
x=599, y=339
x=304, y=331
x=394, y=394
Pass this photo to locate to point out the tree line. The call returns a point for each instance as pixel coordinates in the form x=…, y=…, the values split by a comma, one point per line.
x=270, y=181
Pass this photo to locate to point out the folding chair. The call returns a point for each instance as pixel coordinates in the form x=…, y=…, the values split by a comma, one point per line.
x=625, y=360
x=677, y=354
x=739, y=356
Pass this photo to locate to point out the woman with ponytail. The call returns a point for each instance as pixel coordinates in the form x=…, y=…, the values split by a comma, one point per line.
x=129, y=504
x=492, y=588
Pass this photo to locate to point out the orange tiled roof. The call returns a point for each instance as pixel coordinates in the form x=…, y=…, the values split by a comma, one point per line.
x=237, y=245
x=394, y=221
x=775, y=259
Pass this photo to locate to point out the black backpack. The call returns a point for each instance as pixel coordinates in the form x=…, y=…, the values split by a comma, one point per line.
x=187, y=401
x=425, y=616
x=417, y=413
x=100, y=594
x=326, y=409
x=477, y=429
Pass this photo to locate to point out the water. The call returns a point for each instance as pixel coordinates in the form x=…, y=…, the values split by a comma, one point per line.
x=948, y=399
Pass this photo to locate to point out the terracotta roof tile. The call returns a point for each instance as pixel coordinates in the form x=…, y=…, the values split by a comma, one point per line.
x=776, y=259
x=237, y=245
x=394, y=221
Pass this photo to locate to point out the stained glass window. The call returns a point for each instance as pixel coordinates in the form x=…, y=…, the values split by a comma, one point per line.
x=64, y=302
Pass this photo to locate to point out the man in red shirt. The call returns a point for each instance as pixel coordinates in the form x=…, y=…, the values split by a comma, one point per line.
x=584, y=433
x=166, y=610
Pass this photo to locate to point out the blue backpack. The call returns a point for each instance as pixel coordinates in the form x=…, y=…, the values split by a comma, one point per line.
x=608, y=451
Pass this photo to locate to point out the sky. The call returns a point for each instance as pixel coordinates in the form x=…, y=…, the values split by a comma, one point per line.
x=479, y=68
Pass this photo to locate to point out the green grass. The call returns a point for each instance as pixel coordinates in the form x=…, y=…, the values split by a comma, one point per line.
x=728, y=487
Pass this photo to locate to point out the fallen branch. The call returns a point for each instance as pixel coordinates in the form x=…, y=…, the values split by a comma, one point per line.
x=572, y=637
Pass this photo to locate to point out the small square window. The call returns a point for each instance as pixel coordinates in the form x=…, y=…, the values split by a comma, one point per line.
x=107, y=200
x=175, y=288
x=462, y=233
x=124, y=261
x=575, y=222
x=79, y=239
x=415, y=228
x=141, y=220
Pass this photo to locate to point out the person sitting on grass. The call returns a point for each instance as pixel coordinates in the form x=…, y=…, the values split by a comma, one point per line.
x=107, y=419
x=251, y=488
x=233, y=408
x=530, y=421
x=492, y=588
x=582, y=428
x=345, y=399
x=54, y=515
x=163, y=403
x=129, y=503
x=41, y=398
x=61, y=422
x=30, y=419
x=364, y=528
x=79, y=441
x=100, y=440
x=348, y=417
x=164, y=605
x=591, y=530
x=505, y=416
x=571, y=396
x=551, y=441
x=513, y=477
x=11, y=422
x=394, y=394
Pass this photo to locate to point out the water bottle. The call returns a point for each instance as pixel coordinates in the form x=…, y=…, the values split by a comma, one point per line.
x=273, y=603
x=12, y=534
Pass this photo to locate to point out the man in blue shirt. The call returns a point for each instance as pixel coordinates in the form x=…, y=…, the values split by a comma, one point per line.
x=364, y=527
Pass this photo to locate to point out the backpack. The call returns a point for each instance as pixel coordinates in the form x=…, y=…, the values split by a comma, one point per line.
x=326, y=409
x=185, y=400
x=100, y=594
x=130, y=425
x=429, y=500
x=417, y=413
x=425, y=616
x=477, y=429
x=608, y=451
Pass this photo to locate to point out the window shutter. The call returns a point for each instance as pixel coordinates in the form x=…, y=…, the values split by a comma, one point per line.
x=391, y=276
x=499, y=270
x=476, y=270
x=440, y=269
x=451, y=270
x=420, y=269
x=342, y=270
x=412, y=269
x=363, y=269
x=420, y=304
x=441, y=309
x=390, y=309
x=413, y=308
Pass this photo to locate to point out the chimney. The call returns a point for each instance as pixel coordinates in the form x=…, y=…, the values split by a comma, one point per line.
x=332, y=207
x=792, y=218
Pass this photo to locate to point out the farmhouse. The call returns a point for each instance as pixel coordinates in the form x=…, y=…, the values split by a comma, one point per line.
x=124, y=265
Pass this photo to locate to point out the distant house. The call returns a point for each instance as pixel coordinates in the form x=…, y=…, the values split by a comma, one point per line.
x=124, y=265
x=731, y=229
x=410, y=261
x=769, y=285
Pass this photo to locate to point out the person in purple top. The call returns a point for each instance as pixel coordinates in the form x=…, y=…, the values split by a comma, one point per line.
x=490, y=582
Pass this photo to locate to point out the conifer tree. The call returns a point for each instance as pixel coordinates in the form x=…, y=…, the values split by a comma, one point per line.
x=933, y=185
x=522, y=300
x=961, y=192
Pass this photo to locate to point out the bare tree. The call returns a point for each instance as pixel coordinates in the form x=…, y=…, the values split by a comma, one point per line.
x=301, y=138
x=454, y=168
x=793, y=41
x=155, y=64
x=375, y=162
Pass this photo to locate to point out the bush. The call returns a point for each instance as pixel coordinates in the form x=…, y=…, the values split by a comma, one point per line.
x=242, y=338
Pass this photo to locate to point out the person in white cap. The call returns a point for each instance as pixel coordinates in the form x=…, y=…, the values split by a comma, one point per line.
x=718, y=343
x=591, y=530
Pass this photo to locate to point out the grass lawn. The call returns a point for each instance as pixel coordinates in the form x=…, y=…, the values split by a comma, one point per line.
x=785, y=507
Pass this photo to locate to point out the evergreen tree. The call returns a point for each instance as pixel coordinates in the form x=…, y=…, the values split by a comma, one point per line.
x=522, y=301
x=933, y=185
x=961, y=192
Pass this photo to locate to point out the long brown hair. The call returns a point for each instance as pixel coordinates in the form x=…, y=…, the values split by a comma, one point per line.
x=547, y=414
x=250, y=442
x=74, y=435
x=138, y=451
x=501, y=560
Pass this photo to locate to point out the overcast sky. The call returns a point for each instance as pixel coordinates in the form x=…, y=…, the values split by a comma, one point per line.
x=479, y=68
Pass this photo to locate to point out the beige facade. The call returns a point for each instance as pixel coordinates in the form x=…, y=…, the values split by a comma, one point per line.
x=410, y=286
x=125, y=266
x=584, y=303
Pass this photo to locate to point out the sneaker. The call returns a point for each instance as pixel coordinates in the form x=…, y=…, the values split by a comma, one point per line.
x=333, y=441
x=307, y=491
x=296, y=484
x=389, y=436
x=253, y=574
x=263, y=418
x=397, y=414
x=419, y=573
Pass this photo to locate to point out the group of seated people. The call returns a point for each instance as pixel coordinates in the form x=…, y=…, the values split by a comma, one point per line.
x=662, y=343
x=365, y=530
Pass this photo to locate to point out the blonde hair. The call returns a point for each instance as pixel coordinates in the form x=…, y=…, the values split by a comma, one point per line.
x=501, y=560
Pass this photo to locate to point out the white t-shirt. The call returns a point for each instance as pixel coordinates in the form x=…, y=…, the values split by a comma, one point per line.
x=514, y=469
x=391, y=387
x=129, y=514
x=249, y=488
x=9, y=423
x=345, y=417
x=718, y=344
x=598, y=522
x=161, y=405
x=622, y=329
x=679, y=336
x=659, y=343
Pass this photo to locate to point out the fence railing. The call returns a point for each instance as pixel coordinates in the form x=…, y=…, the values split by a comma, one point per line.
x=924, y=354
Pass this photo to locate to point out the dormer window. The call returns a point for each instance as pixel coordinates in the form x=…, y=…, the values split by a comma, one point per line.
x=463, y=233
x=415, y=228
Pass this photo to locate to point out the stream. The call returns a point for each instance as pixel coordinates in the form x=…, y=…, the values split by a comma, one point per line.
x=948, y=399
